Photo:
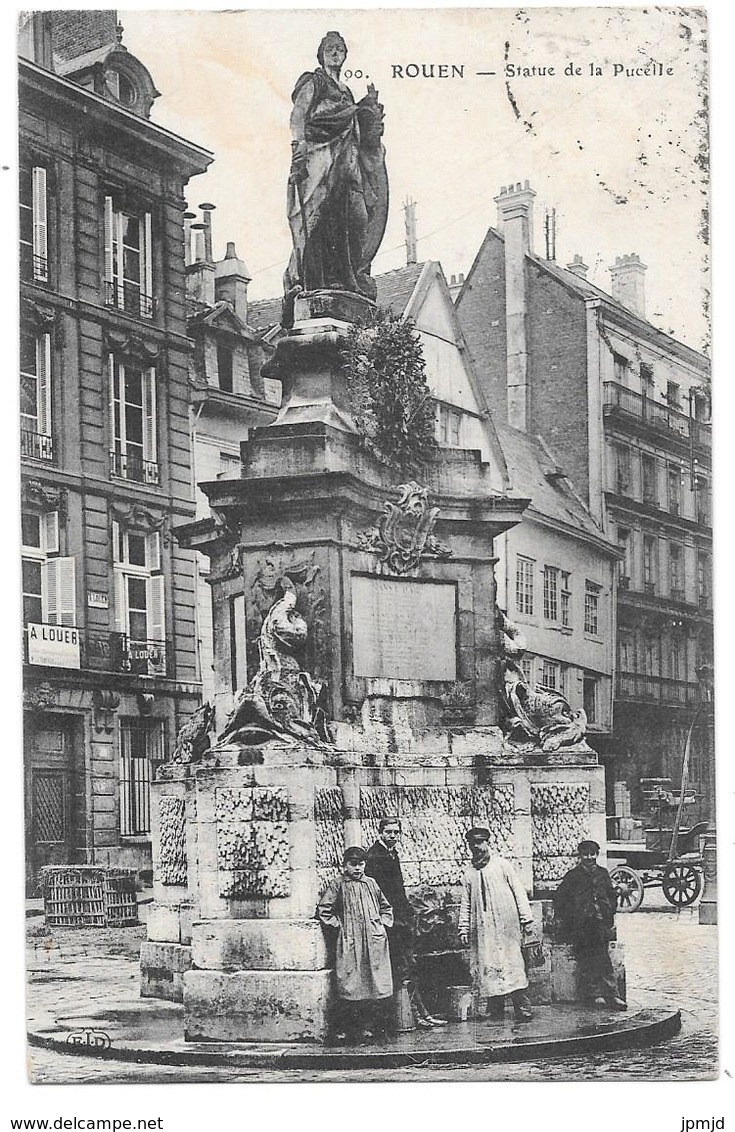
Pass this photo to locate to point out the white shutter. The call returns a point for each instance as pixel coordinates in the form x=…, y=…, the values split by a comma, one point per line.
x=116, y=556
x=155, y=608
x=58, y=591
x=149, y=415
x=43, y=371
x=121, y=603
x=50, y=532
x=153, y=551
x=147, y=265
x=113, y=426
x=109, y=227
x=40, y=224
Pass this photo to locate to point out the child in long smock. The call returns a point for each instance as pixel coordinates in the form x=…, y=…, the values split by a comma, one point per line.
x=356, y=907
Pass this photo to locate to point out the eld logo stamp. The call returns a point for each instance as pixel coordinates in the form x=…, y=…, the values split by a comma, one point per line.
x=95, y=1039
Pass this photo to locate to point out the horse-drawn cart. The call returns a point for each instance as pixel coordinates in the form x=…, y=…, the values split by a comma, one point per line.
x=670, y=859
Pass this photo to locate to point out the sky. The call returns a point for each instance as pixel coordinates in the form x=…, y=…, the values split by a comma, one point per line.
x=619, y=157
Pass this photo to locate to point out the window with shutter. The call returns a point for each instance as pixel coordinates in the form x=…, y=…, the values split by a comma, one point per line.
x=139, y=601
x=128, y=259
x=59, y=591
x=133, y=423
x=33, y=223
x=35, y=396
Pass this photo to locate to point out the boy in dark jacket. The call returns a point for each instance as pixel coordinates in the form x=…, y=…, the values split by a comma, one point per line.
x=584, y=905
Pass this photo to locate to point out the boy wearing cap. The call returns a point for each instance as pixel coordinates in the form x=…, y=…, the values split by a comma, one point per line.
x=357, y=909
x=585, y=904
x=494, y=918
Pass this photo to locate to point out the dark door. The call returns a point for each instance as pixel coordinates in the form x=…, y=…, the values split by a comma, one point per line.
x=49, y=743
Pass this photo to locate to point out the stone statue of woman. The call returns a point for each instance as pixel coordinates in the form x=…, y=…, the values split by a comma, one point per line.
x=338, y=186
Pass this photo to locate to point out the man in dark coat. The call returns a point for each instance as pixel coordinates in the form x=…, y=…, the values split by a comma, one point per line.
x=383, y=865
x=584, y=905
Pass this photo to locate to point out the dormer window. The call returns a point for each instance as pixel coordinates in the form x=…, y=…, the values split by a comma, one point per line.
x=120, y=87
x=225, y=367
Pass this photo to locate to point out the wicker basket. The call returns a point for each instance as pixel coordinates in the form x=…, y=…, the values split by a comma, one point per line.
x=85, y=896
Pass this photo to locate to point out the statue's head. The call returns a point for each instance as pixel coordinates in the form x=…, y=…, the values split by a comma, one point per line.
x=331, y=41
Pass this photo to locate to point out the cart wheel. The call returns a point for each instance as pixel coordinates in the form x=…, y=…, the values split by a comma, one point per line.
x=629, y=887
x=681, y=884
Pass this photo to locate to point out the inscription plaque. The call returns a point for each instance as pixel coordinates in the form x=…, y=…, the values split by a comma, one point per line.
x=404, y=630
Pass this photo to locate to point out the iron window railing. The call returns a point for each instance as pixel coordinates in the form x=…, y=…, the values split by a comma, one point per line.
x=129, y=297
x=131, y=466
x=655, y=413
x=36, y=445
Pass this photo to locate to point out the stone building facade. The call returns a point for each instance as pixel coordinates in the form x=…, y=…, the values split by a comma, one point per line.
x=625, y=407
x=110, y=660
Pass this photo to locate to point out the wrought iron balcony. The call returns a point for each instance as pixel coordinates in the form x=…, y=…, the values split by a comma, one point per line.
x=129, y=297
x=36, y=445
x=131, y=466
x=655, y=413
x=656, y=689
x=33, y=268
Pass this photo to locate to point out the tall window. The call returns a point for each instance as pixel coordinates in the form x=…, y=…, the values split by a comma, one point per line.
x=648, y=478
x=36, y=440
x=590, y=686
x=650, y=564
x=702, y=496
x=673, y=395
x=448, y=423
x=141, y=747
x=673, y=477
x=551, y=593
x=626, y=652
x=646, y=371
x=224, y=367
x=676, y=573
x=524, y=584
x=49, y=583
x=703, y=578
x=624, y=544
x=620, y=368
x=591, y=608
x=527, y=665
x=676, y=659
x=622, y=458
x=128, y=260
x=33, y=223
x=139, y=601
x=566, y=599
x=134, y=453
x=552, y=676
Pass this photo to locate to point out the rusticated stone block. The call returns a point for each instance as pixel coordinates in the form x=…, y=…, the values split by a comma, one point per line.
x=255, y=945
x=162, y=967
x=172, y=863
x=269, y=1006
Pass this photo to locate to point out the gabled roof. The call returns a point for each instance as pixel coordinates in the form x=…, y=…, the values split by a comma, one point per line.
x=223, y=317
x=395, y=288
x=536, y=474
x=586, y=291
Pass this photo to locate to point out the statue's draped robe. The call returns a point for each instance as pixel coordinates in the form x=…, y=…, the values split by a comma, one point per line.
x=494, y=906
x=337, y=212
x=361, y=913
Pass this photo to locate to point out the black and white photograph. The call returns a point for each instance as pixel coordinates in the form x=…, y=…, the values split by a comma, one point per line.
x=366, y=519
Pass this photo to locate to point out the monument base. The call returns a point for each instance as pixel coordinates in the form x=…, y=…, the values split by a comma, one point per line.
x=257, y=1006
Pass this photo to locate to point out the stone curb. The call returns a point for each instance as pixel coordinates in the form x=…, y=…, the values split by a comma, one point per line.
x=646, y=1027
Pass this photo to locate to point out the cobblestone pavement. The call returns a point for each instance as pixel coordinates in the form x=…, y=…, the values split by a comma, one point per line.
x=671, y=962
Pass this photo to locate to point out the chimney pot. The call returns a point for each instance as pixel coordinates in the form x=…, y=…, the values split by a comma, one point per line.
x=627, y=276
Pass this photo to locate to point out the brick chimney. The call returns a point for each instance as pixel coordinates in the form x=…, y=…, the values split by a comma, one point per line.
x=515, y=222
x=578, y=267
x=628, y=277
x=231, y=280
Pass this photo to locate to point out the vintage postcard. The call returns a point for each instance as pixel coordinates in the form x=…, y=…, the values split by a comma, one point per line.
x=366, y=514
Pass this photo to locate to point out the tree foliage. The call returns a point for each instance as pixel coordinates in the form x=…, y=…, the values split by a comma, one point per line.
x=391, y=402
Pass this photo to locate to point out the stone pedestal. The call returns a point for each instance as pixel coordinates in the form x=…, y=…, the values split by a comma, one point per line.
x=246, y=841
